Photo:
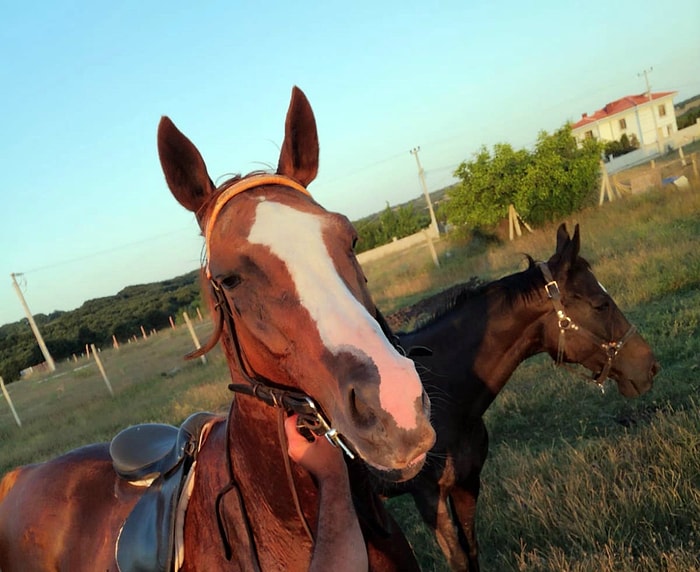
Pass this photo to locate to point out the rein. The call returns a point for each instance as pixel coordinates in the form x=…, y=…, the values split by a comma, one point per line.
x=611, y=348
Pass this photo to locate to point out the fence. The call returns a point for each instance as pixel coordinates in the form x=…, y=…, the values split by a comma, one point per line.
x=644, y=154
x=400, y=244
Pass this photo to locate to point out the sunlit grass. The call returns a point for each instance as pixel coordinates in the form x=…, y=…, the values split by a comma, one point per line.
x=576, y=480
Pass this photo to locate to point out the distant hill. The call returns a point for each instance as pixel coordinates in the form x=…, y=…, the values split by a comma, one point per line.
x=687, y=104
x=436, y=197
x=66, y=333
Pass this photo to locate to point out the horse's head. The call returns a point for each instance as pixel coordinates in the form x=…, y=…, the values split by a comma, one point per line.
x=297, y=298
x=593, y=330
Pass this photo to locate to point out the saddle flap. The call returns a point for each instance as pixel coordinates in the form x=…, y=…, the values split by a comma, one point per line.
x=145, y=542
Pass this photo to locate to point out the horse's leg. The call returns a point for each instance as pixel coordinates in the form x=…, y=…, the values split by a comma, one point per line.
x=464, y=497
x=465, y=491
x=431, y=501
x=390, y=553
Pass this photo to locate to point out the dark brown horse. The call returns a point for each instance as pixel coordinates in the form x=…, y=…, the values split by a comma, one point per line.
x=558, y=307
x=298, y=327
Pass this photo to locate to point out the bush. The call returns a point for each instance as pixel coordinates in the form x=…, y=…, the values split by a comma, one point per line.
x=550, y=182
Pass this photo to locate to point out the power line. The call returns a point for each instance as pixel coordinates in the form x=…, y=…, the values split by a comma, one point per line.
x=105, y=251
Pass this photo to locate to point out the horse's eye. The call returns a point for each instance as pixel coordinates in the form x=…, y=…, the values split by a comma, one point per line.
x=354, y=242
x=231, y=281
x=600, y=304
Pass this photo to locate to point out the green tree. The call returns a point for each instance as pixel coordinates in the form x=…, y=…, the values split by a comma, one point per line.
x=553, y=180
x=489, y=183
x=391, y=223
x=560, y=177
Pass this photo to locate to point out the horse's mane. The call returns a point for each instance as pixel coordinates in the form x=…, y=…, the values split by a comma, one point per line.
x=423, y=313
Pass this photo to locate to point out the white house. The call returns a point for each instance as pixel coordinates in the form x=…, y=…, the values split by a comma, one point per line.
x=649, y=117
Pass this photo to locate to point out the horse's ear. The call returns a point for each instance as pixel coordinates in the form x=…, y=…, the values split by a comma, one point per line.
x=576, y=242
x=562, y=237
x=184, y=168
x=569, y=247
x=299, y=155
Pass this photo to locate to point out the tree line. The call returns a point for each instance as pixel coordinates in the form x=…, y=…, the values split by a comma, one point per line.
x=66, y=333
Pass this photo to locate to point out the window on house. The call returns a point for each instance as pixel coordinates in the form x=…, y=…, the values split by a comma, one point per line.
x=662, y=110
x=623, y=124
x=588, y=134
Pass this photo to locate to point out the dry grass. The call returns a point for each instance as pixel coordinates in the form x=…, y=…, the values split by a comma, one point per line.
x=575, y=481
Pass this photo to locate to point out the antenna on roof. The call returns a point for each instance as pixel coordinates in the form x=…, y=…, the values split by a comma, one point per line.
x=646, y=73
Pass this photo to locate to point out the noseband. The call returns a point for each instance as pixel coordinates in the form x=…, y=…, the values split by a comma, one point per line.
x=565, y=323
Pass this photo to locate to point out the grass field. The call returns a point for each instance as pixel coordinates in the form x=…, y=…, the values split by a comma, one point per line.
x=576, y=480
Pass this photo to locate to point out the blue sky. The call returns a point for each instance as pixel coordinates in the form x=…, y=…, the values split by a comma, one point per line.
x=87, y=211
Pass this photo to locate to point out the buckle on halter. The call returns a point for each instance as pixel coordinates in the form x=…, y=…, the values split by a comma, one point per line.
x=318, y=424
x=552, y=289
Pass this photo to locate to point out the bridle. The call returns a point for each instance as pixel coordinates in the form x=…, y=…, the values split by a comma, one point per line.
x=311, y=419
x=565, y=323
x=310, y=415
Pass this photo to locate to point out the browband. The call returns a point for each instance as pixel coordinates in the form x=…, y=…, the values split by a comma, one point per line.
x=240, y=187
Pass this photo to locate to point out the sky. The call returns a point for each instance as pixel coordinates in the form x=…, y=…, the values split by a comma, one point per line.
x=83, y=85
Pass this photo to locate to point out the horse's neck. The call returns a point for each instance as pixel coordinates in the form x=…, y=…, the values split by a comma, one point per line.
x=258, y=453
x=484, y=340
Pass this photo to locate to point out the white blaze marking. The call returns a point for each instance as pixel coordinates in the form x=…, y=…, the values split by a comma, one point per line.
x=343, y=323
x=603, y=288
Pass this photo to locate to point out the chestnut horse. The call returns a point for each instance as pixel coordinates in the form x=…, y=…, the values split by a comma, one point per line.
x=558, y=307
x=298, y=328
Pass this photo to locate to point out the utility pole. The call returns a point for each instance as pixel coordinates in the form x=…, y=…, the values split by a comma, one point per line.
x=421, y=176
x=646, y=73
x=32, y=324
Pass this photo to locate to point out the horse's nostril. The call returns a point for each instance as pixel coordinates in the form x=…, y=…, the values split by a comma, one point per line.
x=361, y=411
x=655, y=368
x=425, y=402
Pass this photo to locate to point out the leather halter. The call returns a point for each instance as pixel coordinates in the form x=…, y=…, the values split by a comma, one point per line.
x=565, y=323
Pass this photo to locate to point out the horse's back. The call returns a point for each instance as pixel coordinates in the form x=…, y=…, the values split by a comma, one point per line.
x=49, y=509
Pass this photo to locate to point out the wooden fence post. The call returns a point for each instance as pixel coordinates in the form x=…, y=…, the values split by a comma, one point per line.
x=195, y=339
x=98, y=361
x=514, y=220
x=513, y=224
x=9, y=402
x=605, y=187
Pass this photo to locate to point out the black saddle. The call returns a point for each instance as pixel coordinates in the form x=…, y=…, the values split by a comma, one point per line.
x=165, y=454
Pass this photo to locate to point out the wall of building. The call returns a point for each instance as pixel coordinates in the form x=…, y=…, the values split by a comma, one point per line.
x=640, y=121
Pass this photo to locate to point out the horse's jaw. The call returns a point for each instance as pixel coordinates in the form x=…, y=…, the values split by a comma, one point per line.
x=629, y=387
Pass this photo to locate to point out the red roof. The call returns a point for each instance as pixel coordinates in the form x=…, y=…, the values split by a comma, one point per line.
x=619, y=105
